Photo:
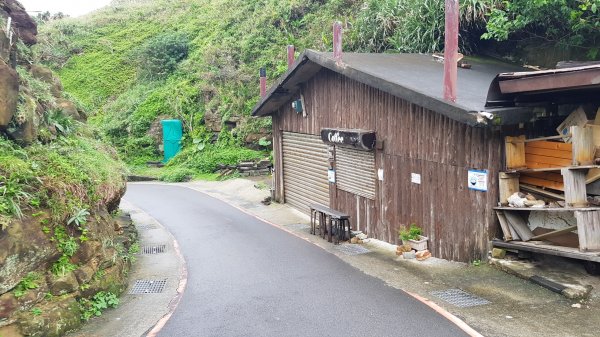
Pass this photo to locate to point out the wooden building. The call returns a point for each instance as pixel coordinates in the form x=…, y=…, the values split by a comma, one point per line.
x=372, y=136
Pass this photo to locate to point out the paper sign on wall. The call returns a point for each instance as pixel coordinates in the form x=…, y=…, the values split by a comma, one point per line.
x=415, y=178
x=380, y=174
x=478, y=180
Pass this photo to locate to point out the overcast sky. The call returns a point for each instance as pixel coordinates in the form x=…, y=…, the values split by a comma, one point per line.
x=71, y=7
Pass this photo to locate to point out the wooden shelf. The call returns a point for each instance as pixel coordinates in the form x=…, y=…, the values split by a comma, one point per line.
x=548, y=209
x=546, y=248
x=549, y=169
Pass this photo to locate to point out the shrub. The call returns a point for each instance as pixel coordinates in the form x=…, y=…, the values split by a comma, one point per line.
x=97, y=304
x=411, y=233
x=208, y=159
x=573, y=24
x=177, y=174
x=159, y=57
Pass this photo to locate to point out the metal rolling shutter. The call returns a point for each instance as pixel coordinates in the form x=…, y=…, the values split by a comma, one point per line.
x=305, y=164
x=355, y=171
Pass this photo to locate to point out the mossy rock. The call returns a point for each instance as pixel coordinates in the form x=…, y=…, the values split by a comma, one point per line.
x=51, y=318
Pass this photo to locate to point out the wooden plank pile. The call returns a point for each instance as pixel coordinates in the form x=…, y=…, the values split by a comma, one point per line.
x=552, y=174
x=247, y=168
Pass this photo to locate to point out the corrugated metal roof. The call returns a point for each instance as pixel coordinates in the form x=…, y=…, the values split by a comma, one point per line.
x=417, y=78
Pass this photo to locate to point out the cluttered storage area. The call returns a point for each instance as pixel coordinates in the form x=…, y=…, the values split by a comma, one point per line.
x=549, y=184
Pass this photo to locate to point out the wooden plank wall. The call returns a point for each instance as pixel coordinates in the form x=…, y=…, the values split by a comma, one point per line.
x=459, y=221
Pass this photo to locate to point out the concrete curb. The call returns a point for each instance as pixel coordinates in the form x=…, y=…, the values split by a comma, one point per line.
x=521, y=270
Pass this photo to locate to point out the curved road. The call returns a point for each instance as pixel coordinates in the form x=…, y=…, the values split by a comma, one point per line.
x=248, y=278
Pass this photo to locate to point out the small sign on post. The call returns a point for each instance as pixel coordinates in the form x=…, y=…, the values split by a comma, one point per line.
x=478, y=180
x=331, y=176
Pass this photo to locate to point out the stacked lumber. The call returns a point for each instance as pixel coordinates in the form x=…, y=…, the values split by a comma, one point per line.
x=246, y=168
x=552, y=174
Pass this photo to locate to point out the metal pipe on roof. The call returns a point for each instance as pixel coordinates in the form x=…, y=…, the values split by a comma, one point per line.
x=337, y=42
x=291, y=57
x=451, y=50
x=263, y=82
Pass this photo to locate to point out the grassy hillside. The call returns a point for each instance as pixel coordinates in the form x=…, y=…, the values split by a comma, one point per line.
x=196, y=60
x=140, y=61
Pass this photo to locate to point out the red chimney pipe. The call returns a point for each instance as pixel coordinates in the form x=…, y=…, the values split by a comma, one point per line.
x=337, y=42
x=451, y=50
x=291, y=57
x=263, y=82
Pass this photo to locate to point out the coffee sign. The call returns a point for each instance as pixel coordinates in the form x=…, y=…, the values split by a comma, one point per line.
x=354, y=138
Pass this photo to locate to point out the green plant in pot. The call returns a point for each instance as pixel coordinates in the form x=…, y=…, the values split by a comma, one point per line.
x=413, y=236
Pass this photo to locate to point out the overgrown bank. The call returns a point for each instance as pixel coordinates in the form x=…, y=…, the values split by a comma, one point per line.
x=65, y=251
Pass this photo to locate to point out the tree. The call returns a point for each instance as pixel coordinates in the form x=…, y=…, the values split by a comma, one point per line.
x=574, y=24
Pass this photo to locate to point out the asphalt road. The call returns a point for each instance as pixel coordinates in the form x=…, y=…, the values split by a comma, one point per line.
x=248, y=278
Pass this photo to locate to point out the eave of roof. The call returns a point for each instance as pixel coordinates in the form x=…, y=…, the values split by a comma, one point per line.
x=556, y=86
x=423, y=88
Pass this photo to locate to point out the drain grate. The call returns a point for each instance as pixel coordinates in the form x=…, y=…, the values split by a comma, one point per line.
x=148, y=287
x=145, y=226
x=153, y=249
x=350, y=249
x=460, y=298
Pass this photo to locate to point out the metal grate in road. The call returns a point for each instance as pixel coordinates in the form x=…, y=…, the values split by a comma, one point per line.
x=153, y=249
x=460, y=298
x=352, y=249
x=148, y=286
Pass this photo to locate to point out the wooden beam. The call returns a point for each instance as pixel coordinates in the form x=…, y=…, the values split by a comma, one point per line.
x=542, y=182
x=545, y=138
x=575, y=189
x=583, y=145
x=563, y=80
x=588, y=225
x=569, y=252
x=519, y=225
x=515, y=152
x=508, y=185
x=554, y=233
x=504, y=226
x=542, y=192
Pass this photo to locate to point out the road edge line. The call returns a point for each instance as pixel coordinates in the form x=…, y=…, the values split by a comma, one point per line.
x=446, y=314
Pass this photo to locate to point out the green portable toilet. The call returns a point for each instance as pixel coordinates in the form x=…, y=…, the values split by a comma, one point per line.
x=172, y=133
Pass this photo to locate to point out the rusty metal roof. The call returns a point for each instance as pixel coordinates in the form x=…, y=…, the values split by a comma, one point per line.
x=556, y=86
x=417, y=78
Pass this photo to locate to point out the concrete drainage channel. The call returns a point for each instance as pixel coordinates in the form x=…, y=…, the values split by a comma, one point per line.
x=154, y=282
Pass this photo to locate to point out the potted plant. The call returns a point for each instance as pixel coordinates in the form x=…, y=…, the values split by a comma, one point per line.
x=413, y=236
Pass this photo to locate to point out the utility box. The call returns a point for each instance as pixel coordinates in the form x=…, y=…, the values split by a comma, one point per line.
x=172, y=134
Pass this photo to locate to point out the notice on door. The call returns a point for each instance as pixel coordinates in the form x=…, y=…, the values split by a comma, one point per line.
x=478, y=180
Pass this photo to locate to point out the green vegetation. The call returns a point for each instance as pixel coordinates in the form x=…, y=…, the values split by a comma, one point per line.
x=27, y=283
x=97, y=304
x=560, y=23
x=194, y=60
x=73, y=172
x=412, y=233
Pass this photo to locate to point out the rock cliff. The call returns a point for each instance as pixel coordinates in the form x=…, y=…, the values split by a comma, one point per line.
x=61, y=240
